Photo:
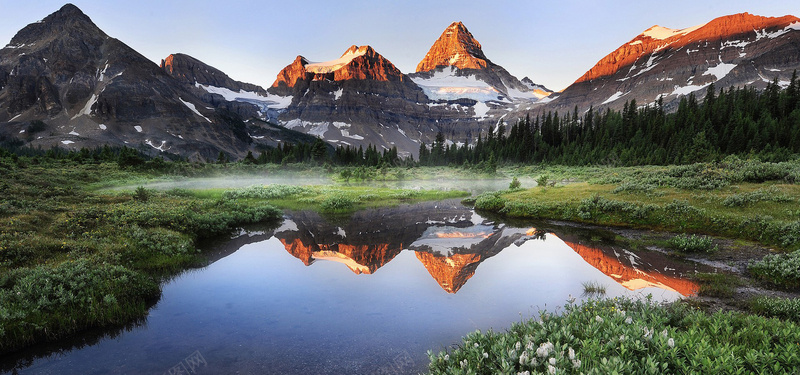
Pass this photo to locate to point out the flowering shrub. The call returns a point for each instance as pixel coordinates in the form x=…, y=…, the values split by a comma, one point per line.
x=54, y=301
x=625, y=337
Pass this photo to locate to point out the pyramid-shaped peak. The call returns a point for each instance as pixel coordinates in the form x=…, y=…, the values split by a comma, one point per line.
x=66, y=13
x=455, y=47
x=67, y=22
x=69, y=8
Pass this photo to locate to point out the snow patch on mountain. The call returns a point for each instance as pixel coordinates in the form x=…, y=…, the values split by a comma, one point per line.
x=661, y=33
x=270, y=101
x=686, y=90
x=314, y=128
x=614, y=97
x=87, y=109
x=193, y=108
x=334, y=65
x=447, y=85
x=720, y=71
x=481, y=109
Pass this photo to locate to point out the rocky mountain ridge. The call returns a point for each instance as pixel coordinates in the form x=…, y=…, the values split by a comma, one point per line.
x=736, y=50
x=66, y=83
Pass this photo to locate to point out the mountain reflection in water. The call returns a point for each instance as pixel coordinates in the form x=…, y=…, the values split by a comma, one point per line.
x=451, y=240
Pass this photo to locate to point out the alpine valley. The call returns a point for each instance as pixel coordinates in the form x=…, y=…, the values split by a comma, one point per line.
x=65, y=83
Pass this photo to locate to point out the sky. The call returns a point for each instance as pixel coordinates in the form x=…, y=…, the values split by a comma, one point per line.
x=552, y=42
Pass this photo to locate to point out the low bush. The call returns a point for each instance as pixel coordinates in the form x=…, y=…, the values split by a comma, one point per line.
x=779, y=269
x=771, y=194
x=628, y=337
x=783, y=308
x=692, y=243
x=267, y=192
x=337, y=202
x=50, y=302
x=490, y=202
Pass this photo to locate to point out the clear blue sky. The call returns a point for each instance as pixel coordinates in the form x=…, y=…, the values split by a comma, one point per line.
x=552, y=42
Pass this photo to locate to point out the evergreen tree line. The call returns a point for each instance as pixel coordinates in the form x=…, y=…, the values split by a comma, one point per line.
x=737, y=121
x=318, y=152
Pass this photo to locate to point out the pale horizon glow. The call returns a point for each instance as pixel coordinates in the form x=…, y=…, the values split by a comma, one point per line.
x=552, y=43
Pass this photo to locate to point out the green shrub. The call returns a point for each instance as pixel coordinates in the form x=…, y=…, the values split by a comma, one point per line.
x=779, y=269
x=628, y=337
x=784, y=308
x=490, y=202
x=337, y=203
x=141, y=194
x=692, y=243
x=771, y=194
x=53, y=302
x=267, y=192
x=634, y=187
x=541, y=181
x=515, y=184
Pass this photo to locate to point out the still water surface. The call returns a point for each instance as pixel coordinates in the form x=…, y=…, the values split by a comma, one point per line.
x=364, y=295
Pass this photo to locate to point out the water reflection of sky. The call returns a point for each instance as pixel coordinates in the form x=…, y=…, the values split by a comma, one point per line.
x=260, y=310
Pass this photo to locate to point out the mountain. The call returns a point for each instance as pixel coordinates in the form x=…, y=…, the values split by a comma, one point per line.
x=736, y=50
x=456, y=67
x=89, y=89
x=257, y=108
x=361, y=98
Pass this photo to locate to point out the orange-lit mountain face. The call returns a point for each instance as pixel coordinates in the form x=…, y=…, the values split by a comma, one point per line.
x=741, y=50
x=451, y=272
x=360, y=259
x=357, y=63
x=631, y=276
x=455, y=47
x=741, y=26
x=456, y=67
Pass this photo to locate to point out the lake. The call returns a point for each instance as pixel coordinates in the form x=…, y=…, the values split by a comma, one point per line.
x=366, y=294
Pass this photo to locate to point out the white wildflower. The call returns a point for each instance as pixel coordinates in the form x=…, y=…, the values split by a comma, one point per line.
x=576, y=363
x=476, y=345
x=524, y=373
x=552, y=361
x=544, y=349
x=464, y=363
x=518, y=346
x=671, y=342
x=447, y=357
x=664, y=333
x=551, y=369
x=523, y=359
x=571, y=353
x=629, y=320
x=485, y=355
x=648, y=334
x=598, y=319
